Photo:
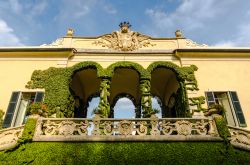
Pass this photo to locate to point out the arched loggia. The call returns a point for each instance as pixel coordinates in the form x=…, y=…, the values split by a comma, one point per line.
x=126, y=78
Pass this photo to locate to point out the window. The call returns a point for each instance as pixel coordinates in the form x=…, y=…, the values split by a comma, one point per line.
x=229, y=100
x=16, y=111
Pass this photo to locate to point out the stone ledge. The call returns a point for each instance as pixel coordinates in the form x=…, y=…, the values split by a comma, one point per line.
x=127, y=138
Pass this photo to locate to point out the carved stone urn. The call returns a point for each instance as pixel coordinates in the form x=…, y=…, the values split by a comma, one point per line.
x=178, y=34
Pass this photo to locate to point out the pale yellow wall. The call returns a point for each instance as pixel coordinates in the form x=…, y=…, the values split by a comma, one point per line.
x=224, y=74
x=107, y=59
x=15, y=74
x=214, y=74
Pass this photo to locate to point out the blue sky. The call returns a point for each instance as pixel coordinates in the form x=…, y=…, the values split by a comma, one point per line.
x=212, y=22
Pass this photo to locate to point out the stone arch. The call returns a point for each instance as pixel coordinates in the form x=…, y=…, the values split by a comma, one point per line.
x=168, y=65
x=86, y=65
x=129, y=65
x=167, y=81
x=84, y=83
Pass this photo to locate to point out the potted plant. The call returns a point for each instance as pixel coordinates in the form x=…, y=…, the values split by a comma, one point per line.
x=37, y=108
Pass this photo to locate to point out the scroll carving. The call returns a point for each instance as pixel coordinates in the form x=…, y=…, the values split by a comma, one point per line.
x=124, y=39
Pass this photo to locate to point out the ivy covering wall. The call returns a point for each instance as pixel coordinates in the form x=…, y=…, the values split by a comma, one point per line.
x=59, y=99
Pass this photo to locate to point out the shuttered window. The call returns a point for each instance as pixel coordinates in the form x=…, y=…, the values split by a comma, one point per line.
x=238, y=110
x=11, y=109
x=39, y=97
x=16, y=115
x=212, y=98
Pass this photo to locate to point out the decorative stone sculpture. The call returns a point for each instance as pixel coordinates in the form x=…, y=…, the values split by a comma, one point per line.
x=178, y=34
x=124, y=39
x=9, y=137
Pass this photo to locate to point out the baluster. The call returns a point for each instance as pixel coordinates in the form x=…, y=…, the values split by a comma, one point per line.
x=154, y=123
x=96, y=122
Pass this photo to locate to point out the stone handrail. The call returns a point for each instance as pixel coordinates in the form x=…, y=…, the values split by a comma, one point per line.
x=240, y=137
x=9, y=137
x=139, y=129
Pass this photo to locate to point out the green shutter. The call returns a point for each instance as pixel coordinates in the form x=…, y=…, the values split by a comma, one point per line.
x=39, y=97
x=11, y=109
x=210, y=98
x=237, y=109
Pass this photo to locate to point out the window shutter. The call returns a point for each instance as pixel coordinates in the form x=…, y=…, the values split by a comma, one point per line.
x=237, y=109
x=11, y=109
x=39, y=97
x=210, y=98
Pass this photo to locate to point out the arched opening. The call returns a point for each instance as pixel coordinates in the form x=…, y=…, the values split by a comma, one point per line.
x=164, y=84
x=125, y=83
x=124, y=108
x=92, y=104
x=84, y=85
x=157, y=104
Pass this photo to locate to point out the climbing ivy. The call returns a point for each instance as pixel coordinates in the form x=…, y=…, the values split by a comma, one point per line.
x=222, y=127
x=187, y=73
x=144, y=74
x=55, y=81
x=197, y=101
x=59, y=99
x=168, y=65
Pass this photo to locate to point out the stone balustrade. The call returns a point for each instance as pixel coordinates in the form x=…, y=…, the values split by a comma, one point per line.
x=139, y=129
x=240, y=137
x=9, y=137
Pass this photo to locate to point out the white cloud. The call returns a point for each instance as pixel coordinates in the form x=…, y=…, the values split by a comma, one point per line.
x=191, y=14
x=8, y=38
x=220, y=23
x=241, y=39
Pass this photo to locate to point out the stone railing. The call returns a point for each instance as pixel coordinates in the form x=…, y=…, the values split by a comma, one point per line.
x=240, y=137
x=109, y=129
x=9, y=137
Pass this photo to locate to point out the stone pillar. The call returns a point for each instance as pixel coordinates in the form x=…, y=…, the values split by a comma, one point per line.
x=146, y=98
x=104, y=106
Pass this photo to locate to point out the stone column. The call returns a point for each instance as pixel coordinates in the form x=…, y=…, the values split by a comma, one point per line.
x=104, y=106
x=146, y=98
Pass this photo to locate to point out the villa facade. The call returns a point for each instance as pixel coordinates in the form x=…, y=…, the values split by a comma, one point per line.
x=130, y=64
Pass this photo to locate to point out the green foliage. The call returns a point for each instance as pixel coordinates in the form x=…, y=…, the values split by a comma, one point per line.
x=1, y=118
x=144, y=74
x=56, y=82
x=125, y=153
x=37, y=108
x=29, y=130
x=104, y=106
x=187, y=74
x=168, y=65
x=198, y=101
x=147, y=114
x=220, y=109
x=89, y=65
x=182, y=107
x=222, y=127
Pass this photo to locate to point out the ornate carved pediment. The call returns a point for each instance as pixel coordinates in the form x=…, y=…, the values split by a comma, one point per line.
x=124, y=39
x=192, y=44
